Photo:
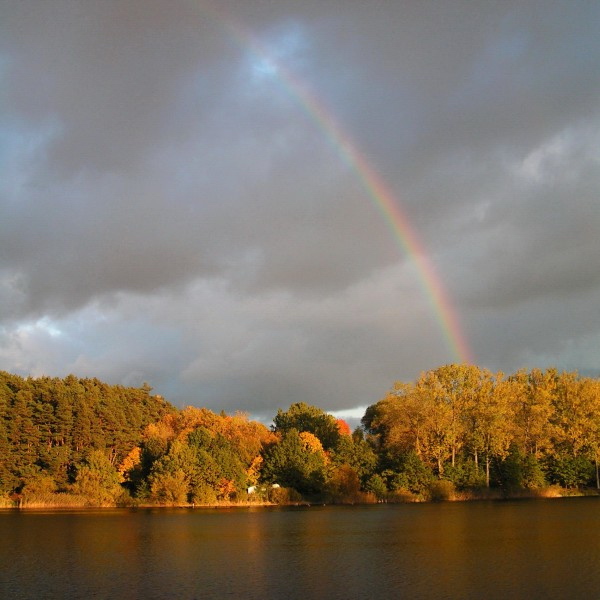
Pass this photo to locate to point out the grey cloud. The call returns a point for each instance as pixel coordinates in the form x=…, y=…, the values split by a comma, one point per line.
x=171, y=207
x=542, y=241
x=110, y=73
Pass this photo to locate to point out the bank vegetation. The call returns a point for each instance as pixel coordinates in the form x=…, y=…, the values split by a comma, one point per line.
x=458, y=432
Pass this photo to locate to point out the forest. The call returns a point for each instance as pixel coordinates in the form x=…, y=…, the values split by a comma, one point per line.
x=457, y=432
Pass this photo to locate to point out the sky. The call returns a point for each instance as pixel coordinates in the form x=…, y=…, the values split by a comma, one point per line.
x=252, y=203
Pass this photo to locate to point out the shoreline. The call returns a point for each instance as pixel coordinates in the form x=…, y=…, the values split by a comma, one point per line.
x=493, y=496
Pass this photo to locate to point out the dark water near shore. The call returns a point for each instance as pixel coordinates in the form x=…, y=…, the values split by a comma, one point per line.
x=520, y=549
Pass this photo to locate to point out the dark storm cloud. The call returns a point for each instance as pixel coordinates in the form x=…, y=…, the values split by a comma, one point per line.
x=111, y=73
x=160, y=164
x=170, y=211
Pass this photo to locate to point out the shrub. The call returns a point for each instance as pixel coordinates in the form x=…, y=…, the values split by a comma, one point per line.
x=521, y=471
x=97, y=480
x=570, y=471
x=203, y=494
x=412, y=475
x=169, y=488
x=465, y=475
x=343, y=486
x=376, y=485
x=284, y=496
x=441, y=490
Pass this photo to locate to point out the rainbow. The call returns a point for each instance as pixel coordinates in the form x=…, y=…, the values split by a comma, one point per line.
x=375, y=187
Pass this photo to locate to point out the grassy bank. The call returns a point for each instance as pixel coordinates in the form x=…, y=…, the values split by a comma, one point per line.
x=439, y=492
x=447, y=493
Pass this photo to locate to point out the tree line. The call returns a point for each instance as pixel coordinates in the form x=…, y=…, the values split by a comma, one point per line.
x=476, y=429
x=457, y=429
x=50, y=428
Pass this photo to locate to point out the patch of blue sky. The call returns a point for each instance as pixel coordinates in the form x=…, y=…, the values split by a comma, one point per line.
x=285, y=47
x=22, y=147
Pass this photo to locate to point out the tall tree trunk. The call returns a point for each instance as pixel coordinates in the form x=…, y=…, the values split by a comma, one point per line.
x=487, y=471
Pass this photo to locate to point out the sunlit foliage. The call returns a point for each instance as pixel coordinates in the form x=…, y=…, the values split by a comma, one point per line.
x=457, y=428
x=474, y=428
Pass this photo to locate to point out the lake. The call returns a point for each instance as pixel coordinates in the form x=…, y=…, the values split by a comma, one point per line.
x=513, y=549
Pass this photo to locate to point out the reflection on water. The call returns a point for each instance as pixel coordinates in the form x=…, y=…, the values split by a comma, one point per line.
x=526, y=549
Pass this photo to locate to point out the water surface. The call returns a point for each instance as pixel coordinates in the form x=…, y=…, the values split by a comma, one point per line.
x=517, y=549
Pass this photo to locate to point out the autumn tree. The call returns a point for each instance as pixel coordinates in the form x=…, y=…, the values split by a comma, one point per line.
x=533, y=410
x=488, y=417
x=446, y=392
x=357, y=454
x=296, y=463
x=576, y=431
x=304, y=417
x=590, y=388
